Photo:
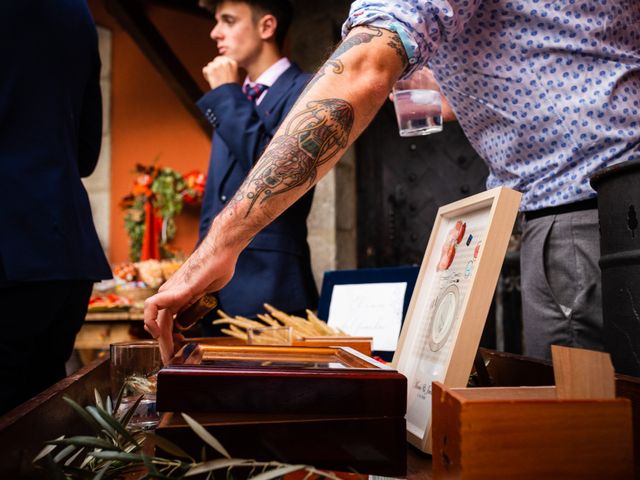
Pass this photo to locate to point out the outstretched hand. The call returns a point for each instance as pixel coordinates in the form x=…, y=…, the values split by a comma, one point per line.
x=203, y=272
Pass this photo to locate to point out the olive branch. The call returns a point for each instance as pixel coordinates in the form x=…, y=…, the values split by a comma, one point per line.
x=117, y=450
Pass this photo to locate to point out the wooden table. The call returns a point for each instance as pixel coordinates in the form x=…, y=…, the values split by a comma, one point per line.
x=46, y=416
x=101, y=329
x=24, y=430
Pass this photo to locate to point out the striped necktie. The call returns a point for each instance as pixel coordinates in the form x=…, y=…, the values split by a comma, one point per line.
x=254, y=91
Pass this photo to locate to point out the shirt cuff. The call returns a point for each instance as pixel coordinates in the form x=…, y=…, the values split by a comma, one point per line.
x=360, y=16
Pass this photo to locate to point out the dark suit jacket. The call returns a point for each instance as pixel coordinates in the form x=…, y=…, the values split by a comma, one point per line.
x=50, y=133
x=276, y=266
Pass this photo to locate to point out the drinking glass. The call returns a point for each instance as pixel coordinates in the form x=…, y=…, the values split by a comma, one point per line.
x=135, y=366
x=418, y=104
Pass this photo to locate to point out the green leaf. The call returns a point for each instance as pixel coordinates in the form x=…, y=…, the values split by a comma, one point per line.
x=99, y=403
x=117, y=455
x=46, y=450
x=87, y=460
x=106, y=427
x=88, y=419
x=113, y=424
x=71, y=459
x=218, y=464
x=102, y=471
x=108, y=407
x=64, y=453
x=84, y=441
x=149, y=464
x=278, y=472
x=126, y=417
x=169, y=446
x=119, y=397
x=206, y=436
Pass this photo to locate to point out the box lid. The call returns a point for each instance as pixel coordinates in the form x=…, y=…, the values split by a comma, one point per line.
x=275, y=379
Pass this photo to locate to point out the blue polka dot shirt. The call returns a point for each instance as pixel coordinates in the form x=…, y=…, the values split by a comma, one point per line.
x=547, y=92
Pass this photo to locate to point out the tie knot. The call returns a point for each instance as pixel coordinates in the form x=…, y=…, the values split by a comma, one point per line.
x=254, y=91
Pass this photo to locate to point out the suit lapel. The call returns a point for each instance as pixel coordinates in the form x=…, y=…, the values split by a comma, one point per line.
x=278, y=89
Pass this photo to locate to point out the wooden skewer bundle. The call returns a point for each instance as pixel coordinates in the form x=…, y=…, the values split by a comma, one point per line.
x=311, y=326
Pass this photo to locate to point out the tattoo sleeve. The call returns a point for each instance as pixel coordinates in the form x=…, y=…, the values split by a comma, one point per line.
x=311, y=137
x=334, y=60
x=396, y=44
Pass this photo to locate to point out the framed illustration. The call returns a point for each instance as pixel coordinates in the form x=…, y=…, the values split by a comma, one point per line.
x=451, y=300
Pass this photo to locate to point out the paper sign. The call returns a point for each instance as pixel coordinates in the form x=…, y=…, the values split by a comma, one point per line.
x=369, y=310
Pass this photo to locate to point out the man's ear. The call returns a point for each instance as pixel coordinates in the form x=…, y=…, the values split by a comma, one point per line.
x=267, y=27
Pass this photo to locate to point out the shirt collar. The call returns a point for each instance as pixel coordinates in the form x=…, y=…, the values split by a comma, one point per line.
x=271, y=74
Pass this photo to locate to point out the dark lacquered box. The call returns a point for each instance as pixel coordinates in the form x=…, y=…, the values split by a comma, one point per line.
x=331, y=407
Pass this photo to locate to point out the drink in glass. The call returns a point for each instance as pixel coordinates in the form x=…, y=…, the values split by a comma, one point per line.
x=419, y=112
x=134, y=367
x=418, y=104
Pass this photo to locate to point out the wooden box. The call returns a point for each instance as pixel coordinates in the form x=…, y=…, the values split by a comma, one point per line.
x=529, y=433
x=367, y=445
x=330, y=407
x=360, y=344
x=272, y=379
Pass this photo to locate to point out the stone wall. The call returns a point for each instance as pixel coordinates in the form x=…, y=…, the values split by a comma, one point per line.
x=332, y=223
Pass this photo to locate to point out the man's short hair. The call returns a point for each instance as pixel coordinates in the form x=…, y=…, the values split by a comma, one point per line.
x=282, y=10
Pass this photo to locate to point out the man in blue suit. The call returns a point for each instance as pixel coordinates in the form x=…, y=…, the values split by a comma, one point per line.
x=50, y=133
x=253, y=87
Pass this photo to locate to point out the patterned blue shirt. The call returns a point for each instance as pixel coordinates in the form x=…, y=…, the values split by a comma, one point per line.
x=547, y=92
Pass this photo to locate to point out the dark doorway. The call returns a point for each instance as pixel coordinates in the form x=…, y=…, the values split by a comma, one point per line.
x=401, y=183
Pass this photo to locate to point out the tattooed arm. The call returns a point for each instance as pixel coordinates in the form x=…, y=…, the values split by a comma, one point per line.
x=333, y=110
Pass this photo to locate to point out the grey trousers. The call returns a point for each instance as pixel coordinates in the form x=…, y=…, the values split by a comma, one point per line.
x=561, y=293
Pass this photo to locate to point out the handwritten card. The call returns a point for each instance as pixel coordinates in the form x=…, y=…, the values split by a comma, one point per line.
x=369, y=310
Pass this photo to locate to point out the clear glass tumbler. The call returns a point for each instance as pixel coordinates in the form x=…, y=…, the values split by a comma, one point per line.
x=418, y=104
x=135, y=366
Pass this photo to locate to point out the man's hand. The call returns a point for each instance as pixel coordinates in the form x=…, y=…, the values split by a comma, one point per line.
x=208, y=269
x=221, y=70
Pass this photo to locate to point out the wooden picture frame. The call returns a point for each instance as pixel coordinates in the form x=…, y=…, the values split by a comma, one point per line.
x=451, y=300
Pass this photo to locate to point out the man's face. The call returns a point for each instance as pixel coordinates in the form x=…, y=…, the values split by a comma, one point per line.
x=235, y=33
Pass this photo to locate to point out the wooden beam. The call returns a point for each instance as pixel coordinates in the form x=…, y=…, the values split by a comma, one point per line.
x=131, y=16
x=190, y=7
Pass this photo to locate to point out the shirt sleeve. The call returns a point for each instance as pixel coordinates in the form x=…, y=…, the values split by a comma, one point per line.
x=422, y=25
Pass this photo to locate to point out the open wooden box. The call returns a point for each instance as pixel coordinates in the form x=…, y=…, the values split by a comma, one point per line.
x=360, y=344
x=274, y=379
x=328, y=406
x=574, y=430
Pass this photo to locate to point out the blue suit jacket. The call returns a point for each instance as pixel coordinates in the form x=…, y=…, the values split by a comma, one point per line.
x=50, y=133
x=276, y=266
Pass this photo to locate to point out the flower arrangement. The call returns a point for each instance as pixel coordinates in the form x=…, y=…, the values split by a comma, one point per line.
x=158, y=195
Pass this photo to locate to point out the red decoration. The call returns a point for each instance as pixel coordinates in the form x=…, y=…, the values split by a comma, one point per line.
x=152, y=229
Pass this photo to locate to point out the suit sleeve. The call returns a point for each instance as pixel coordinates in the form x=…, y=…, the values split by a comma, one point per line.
x=90, y=124
x=239, y=124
